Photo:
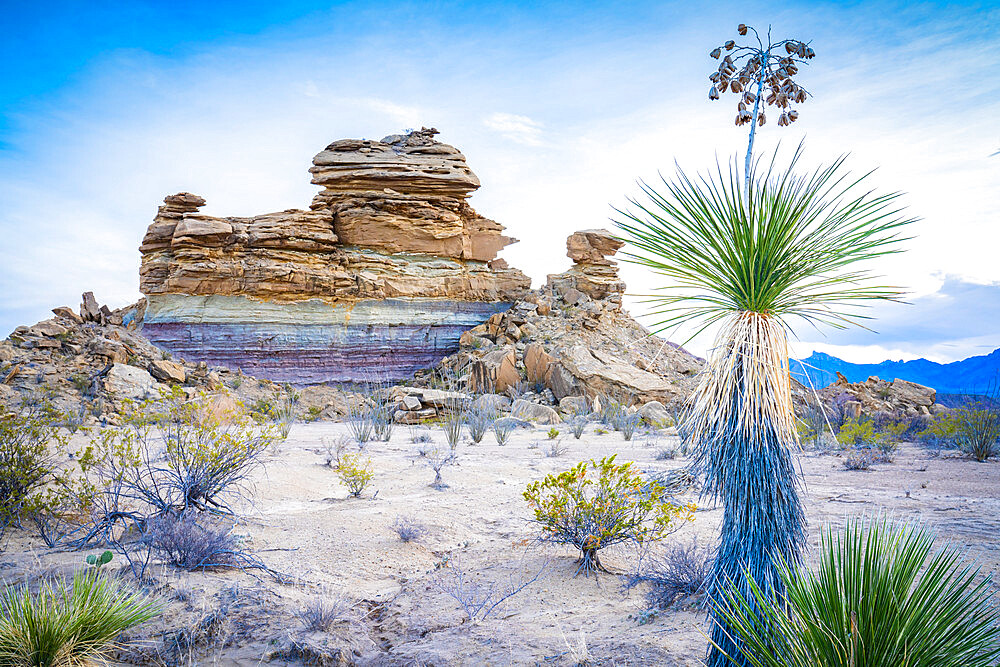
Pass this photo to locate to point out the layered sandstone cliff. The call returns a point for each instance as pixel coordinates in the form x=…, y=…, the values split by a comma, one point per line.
x=384, y=273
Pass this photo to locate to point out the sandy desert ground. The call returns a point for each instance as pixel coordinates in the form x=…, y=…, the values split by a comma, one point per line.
x=302, y=523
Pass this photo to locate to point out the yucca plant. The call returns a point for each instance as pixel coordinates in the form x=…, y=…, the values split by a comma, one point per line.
x=753, y=261
x=63, y=626
x=882, y=595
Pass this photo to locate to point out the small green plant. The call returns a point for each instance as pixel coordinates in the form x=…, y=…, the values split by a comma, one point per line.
x=857, y=432
x=977, y=430
x=942, y=431
x=553, y=433
x=63, y=626
x=313, y=413
x=81, y=382
x=882, y=595
x=598, y=504
x=236, y=382
x=600, y=431
x=99, y=560
x=355, y=473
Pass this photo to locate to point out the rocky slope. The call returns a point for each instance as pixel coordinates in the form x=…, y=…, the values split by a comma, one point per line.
x=388, y=268
x=572, y=338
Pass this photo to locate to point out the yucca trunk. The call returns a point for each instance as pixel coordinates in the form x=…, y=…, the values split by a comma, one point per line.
x=743, y=429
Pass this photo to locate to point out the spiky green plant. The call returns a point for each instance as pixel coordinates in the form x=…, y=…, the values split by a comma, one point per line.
x=882, y=595
x=64, y=626
x=751, y=261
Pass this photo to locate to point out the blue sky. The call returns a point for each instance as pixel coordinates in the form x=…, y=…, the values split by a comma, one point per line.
x=560, y=107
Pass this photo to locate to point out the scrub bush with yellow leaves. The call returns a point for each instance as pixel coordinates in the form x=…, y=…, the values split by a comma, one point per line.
x=598, y=504
x=355, y=473
x=172, y=454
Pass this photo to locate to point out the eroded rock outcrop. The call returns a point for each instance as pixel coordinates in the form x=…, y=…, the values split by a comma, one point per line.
x=383, y=274
x=573, y=339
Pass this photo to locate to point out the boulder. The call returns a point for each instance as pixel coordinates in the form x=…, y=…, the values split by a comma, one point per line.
x=592, y=246
x=90, y=311
x=543, y=414
x=600, y=373
x=410, y=403
x=167, y=371
x=126, y=381
x=67, y=312
x=537, y=363
x=574, y=405
x=655, y=414
x=492, y=402
x=496, y=371
x=49, y=328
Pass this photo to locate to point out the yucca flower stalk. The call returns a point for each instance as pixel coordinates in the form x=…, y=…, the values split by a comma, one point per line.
x=752, y=262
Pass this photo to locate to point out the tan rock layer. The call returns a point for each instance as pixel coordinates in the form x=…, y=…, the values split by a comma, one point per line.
x=392, y=221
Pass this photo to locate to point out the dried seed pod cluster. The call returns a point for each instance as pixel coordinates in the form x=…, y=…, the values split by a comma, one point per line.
x=760, y=74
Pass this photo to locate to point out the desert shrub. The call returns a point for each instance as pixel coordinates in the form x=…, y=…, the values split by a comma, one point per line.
x=502, y=429
x=839, y=414
x=355, y=473
x=360, y=422
x=666, y=454
x=857, y=432
x=283, y=414
x=553, y=433
x=882, y=595
x=378, y=390
x=313, y=413
x=611, y=410
x=74, y=420
x=437, y=458
x=173, y=454
x=408, y=529
x=419, y=436
x=554, y=448
x=452, y=425
x=627, y=423
x=170, y=455
x=186, y=543
x=859, y=459
x=679, y=572
x=66, y=626
x=479, y=599
x=262, y=410
x=577, y=425
x=478, y=419
x=596, y=505
x=333, y=450
x=941, y=431
x=26, y=463
x=323, y=613
x=812, y=426
x=977, y=429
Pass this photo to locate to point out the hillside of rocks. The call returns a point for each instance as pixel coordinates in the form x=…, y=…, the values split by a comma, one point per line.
x=388, y=267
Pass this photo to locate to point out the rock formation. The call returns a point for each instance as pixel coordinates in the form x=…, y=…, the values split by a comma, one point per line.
x=382, y=275
x=574, y=339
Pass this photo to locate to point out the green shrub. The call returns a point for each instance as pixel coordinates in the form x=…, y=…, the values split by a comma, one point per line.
x=313, y=413
x=355, y=473
x=26, y=461
x=598, y=504
x=63, y=626
x=977, y=430
x=171, y=454
x=882, y=595
x=857, y=432
x=553, y=433
x=942, y=431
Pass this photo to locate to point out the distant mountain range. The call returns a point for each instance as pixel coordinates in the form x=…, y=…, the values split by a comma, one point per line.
x=972, y=375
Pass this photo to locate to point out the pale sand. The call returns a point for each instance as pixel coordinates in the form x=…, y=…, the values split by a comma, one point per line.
x=347, y=546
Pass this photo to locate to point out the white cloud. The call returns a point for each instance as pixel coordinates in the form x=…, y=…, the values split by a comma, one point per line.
x=520, y=129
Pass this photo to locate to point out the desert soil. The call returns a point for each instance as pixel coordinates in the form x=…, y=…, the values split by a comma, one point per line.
x=303, y=524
